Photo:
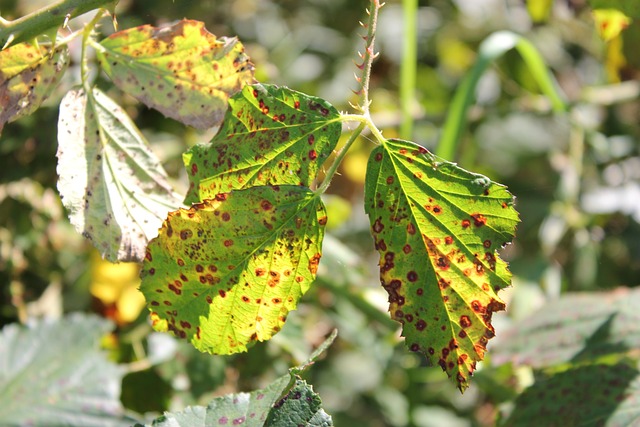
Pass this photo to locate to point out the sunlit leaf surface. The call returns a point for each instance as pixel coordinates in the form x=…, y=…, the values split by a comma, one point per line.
x=270, y=136
x=28, y=74
x=182, y=70
x=437, y=228
x=226, y=272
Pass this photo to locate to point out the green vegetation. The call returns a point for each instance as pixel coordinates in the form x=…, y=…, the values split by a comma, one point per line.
x=234, y=206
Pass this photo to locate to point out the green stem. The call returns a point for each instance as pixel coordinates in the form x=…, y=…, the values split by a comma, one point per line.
x=42, y=20
x=86, y=39
x=336, y=163
x=368, y=56
x=408, y=67
x=494, y=46
x=366, y=119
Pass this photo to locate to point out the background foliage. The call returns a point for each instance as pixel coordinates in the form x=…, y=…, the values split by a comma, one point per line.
x=576, y=176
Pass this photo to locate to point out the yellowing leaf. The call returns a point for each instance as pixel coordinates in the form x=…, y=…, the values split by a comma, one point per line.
x=437, y=228
x=610, y=22
x=183, y=71
x=114, y=187
x=28, y=74
x=270, y=136
x=226, y=272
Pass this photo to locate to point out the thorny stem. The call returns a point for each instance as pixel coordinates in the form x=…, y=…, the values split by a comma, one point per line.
x=368, y=56
x=364, y=117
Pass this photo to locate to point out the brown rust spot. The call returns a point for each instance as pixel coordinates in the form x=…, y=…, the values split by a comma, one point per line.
x=313, y=263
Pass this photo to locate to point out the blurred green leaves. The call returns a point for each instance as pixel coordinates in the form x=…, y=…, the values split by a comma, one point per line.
x=55, y=371
x=575, y=177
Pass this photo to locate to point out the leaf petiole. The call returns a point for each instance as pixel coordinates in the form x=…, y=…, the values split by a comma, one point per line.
x=339, y=157
x=86, y=37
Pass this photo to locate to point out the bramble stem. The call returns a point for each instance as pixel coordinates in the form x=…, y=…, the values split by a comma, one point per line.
x=368, y=56
x=365, y=121
x=364, y=117
x=40, y=21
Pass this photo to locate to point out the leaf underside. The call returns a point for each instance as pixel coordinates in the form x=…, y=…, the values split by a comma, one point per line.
x=28, y=75
x=54, y=372
x=114, y=187
x=437, y=228
x=182, y=70
x=270, y=136
x=226, y=272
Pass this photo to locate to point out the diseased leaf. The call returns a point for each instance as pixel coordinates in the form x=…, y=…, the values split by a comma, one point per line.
x=53, y=372
x=114, y=187
x=183, y=70
x=226, y=272
x=575, y=328
x=28, y=75
x=592, y=395
x=438, y=228
x=301, y=406
x=287, y=398
x=270, y=136
x=246, y=409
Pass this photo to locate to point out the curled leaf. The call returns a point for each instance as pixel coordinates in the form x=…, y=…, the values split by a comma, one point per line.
x=28, y=75
x=183, y=70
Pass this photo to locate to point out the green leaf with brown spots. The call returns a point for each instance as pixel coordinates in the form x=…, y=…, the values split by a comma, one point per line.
x=287, y=401
x=114, y=187
x=28, y=74
x=226, y=272
x=588, y=395
x=183, y=70
x=438, y=228
x=270, y=136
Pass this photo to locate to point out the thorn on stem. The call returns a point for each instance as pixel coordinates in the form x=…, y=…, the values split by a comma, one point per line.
x=9, y=40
